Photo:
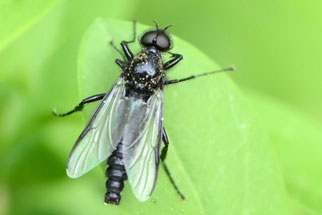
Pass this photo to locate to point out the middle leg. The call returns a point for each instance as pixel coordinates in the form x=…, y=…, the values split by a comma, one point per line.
x=80, y=106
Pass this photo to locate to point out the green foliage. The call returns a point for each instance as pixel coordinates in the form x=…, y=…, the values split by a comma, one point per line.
x=218, y=154
x=18, y=16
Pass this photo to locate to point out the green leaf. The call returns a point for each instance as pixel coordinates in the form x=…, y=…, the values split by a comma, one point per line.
x=299, y=209
x=297, y=140
x=218, y=155
x=18, y=16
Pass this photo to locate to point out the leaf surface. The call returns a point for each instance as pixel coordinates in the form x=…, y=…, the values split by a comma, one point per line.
x=218, y=155
x=297, y=140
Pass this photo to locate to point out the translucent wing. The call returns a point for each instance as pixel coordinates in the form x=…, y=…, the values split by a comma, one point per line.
x=141, y=143
x=95, y=144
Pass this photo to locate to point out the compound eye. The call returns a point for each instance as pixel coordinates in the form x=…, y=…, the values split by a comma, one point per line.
x=147, y=38
x=159, y=39
x=163, y=42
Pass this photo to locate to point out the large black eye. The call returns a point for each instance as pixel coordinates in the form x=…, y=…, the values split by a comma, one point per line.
x=147, y=38
x=163, y=41
x=159, y=39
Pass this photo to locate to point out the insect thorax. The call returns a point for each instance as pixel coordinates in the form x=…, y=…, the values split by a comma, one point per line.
x=145, y=73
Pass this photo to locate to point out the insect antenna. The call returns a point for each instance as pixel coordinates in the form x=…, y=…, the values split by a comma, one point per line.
x=156, y=25
x=154, y=41
x=167, y=27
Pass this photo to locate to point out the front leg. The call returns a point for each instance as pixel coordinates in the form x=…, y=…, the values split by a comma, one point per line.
x=128, y=53
x=174, y=81
x=126, y=49
x=80, y=106
x=171, y=63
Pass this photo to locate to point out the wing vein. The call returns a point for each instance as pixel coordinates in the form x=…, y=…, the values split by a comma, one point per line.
x=95, y=143
x=141, y=149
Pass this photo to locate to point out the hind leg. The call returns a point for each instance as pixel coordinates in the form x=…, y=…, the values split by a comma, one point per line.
x=165, y=166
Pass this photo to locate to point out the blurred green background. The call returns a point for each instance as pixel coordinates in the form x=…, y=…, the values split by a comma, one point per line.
x=276, y=46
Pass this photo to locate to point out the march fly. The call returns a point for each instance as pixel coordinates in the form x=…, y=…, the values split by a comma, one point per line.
x=126, y=128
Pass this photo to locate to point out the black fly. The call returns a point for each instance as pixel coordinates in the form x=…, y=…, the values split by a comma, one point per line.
x=127, y=126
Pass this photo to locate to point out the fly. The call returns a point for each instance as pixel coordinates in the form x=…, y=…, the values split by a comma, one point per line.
x=127, y=128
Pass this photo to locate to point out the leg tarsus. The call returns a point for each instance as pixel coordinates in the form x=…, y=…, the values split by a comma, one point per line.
x=80, y=106
x=134, y=32
x=172, y=180
x=166, y=168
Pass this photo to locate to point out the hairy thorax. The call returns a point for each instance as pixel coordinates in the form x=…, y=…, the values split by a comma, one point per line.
x=145, y=73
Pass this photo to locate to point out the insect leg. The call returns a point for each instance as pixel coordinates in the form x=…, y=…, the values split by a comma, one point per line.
x=121, y=64
x=166, y=168
x=134, y=32
x=80, y=106
x=175, y=59
x=166, y=144
x=117, y=49
x=128, y=53
x=174, y=81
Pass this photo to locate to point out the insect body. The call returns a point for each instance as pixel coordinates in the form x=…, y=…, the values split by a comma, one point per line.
x=127, y=127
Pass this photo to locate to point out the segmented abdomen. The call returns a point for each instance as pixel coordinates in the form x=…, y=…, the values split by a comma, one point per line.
x=116, y=176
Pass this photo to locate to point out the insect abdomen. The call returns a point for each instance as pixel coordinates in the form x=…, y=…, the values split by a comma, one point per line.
x=116, y=176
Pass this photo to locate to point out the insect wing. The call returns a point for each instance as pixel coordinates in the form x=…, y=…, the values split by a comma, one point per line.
x=95, y=143
x=141, y=144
